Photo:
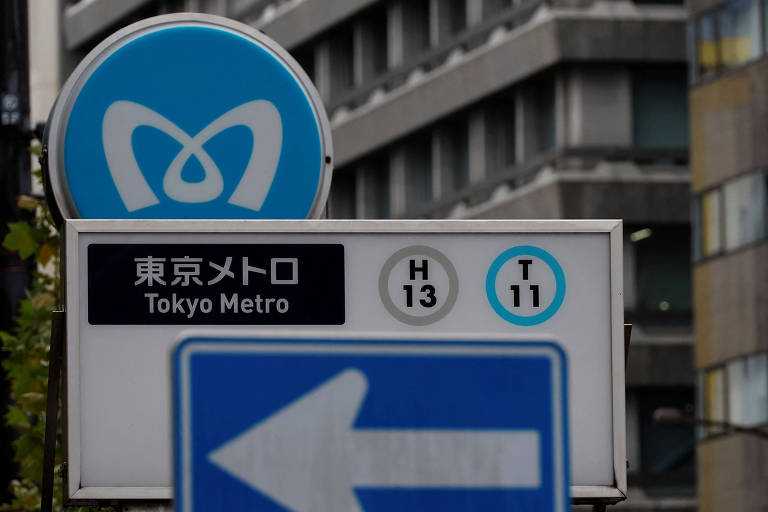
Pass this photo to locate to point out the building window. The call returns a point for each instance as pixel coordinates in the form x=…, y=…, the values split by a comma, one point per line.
x=370, y=44
x=707, y=52
x=454, y=151
x=714, y=399
x=493, y=7
x=662, y=276
x=305, y=56
x=500, y=134
x=376, y=187
x=739, y=30
x=415, y=28
x=726, y=37
x=765, y=24
x=418, y=171
x=745, y=212
x=667, y=452
x=710, y=223
x=731, y=216
x=341, y=61
x=659, y=108
x=748, y=390
x=736, y=393
x=377, y=26
x=544, y=103
x=342, y=198
x=451, y=18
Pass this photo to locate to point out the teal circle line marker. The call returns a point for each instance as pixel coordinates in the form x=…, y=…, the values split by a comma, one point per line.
x=493, y=272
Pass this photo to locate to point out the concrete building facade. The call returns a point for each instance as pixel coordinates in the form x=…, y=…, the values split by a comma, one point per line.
x=508, y=109
x=729, y=120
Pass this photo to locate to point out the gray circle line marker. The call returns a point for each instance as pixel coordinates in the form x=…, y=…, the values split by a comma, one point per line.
x=453, y=285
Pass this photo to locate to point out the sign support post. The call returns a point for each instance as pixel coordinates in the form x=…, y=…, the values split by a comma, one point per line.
x=58, y=328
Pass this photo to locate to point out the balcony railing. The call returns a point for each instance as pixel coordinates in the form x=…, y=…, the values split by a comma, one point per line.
x=465, y=40
x=517, y=175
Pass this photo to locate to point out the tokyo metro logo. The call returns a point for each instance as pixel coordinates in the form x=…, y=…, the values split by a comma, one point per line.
x=260, y=117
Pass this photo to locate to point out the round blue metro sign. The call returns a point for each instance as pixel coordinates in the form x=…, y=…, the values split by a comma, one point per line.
x=189, y=116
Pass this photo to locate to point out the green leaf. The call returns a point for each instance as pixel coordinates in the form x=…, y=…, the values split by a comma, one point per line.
x=35, y=149
x=45, y=254
x=25, y=352
x=20, y=238
x=27, y=203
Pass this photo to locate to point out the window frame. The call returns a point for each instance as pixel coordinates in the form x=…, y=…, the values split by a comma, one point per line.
x=699, y=253
x=705, y=432
x=694, y=32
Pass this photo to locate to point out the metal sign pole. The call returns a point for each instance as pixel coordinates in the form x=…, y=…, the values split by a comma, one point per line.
x=52, y=408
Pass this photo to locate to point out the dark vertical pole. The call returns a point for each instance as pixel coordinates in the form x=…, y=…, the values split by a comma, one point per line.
x=14, y=180
x=52, y=409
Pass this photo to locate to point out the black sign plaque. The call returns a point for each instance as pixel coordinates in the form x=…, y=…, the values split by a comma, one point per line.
x=208, y=284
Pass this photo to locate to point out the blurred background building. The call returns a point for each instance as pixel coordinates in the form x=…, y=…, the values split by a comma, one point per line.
x=513, y=109
x=14, y=180
x=729, y=155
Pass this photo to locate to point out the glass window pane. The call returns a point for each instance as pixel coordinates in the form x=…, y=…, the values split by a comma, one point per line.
x=736, y=392
x=371, y=44
x=714, y=403
x=701, y=431
x=376, y=187
x=757, y=370
x=744, y=210
x=659, y=108
x=341, y=44
x=500, y=134
x=710, y=223
x=451, y=18
x=765, y=23
x=667, y=452
x=706, y=52
x=416, y=28
x=748, y=390
x=458, y=15
x=493, y=7
x=460, y=155
x=690, y=35
x=756, y=389
x=696, y=223
x=418, y=171
x=739, y=24
x=544, y=100
x=663, y=276
x=305, y=56
x=341, y=201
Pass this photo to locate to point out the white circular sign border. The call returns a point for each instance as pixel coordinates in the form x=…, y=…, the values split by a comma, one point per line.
x=57, y=188
x=453, y=285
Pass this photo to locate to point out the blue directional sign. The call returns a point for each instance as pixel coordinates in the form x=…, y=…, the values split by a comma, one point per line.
x=330, y=425
x=189, y=116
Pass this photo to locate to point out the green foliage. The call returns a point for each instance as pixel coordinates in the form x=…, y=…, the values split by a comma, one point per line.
x=26, y=354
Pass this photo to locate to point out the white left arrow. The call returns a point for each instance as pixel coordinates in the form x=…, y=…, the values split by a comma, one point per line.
x=309, y=458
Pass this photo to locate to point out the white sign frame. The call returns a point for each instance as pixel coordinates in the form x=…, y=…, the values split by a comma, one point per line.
x=73, y=229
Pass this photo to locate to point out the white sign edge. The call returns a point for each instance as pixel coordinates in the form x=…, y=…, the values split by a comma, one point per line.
x=73, y=227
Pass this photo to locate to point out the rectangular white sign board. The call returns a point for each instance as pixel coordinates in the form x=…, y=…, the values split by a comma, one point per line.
x=132, y=287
